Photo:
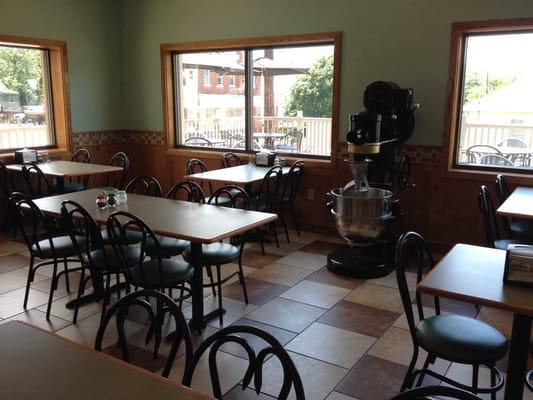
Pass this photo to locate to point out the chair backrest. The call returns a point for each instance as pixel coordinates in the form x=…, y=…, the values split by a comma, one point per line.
x=37, y=182
x=291, y=181
x=231, y=196
x=191, y=192
x=513, y=142
x=295, y=139
x=495, y=159
x=475, y=152
x=82, y=229
x=163, y=305
x=195, y=166
x=486, y=207
x=145, y=185
x=198, y=141
x=427, y=393
x=230, y=334
x=241, y=145
x=6, y=180
x=82, y=156
x=118, y=226
x=411, y=244
x=502, y=191
x=269, y=190
x=32, y=223
x=118, y=179
x=229, y=160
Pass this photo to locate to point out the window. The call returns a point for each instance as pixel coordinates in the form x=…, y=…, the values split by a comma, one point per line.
x=490, y=110
x=281, y=94
x=207, y=77
x=33, y=102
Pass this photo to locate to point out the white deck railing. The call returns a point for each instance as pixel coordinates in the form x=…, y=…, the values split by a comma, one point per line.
x=18, y=136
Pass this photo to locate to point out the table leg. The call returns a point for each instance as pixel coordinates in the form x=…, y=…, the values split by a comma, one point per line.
x=60, y=181
x=518, y=354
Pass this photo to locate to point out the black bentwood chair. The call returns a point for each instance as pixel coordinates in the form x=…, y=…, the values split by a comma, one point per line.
x=427, y=393
x=100, y=260
x=163, y=305
x=267, y=197
x=454, y=338
x=45, y=242
x=228, y=160
x=234, y=334
x=188, y=191
x=221, y=253
x=157, y=273
x=288, y=196
x=144, y=185
x=81, y=182
x=515, y=228
x=37, y=182
x=118, y=179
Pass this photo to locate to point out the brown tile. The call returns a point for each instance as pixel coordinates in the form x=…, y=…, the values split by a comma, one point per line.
x=378, y=296
x=320, y=247
x=74, y=281
x=373, y=379
x=141, y=357
x=316, y=294
x=359, y=318
x=248, y=394
x=324, y=275
x=259, y=292
x=256, y=259
x=257, y=343
x=13, y=261
x=281, y=274
x=38, y=318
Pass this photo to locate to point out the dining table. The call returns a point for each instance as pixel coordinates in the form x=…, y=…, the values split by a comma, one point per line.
x=37, y=364
x=474, y=274
x=519, y=204
x=197, y=223
x=269, y=138
x=60, y=170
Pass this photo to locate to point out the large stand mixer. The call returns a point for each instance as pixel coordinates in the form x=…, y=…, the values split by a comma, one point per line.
x=364, y=208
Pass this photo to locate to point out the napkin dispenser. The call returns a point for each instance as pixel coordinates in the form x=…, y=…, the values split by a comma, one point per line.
x=519, y=265
x=25, y=156
x=265, y=159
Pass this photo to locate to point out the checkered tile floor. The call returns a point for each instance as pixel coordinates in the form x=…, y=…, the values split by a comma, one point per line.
x=348, y=337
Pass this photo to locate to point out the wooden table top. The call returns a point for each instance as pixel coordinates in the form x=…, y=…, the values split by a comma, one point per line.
x=202, y=223
x=475, y=275
x=241, y=175
x=519, y=204
x=41, y=365
x=70, y=168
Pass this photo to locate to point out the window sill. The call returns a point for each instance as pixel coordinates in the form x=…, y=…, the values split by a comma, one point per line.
x=477, y=175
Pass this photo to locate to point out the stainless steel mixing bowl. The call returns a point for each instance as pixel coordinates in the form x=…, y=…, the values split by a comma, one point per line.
x=361, y=217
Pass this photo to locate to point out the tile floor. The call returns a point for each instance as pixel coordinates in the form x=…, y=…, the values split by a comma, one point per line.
x=347, y=337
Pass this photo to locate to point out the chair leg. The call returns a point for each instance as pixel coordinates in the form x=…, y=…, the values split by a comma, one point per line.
x=219, y=285
x=181, y=296
x=117, y=277
x=475, y=377
x=261, y=241
x=28, y=282
x=65, y=268
x=273, y=227
x=210, y=275
x=53, y=285
x=107, y=296
x=81, y=289
x=492, y=383
x=284, y=223
x=406, y=384
x=293, y=213
x=243, y=283
x=423, y=374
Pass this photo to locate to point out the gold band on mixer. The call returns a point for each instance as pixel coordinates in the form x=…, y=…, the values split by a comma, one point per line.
x=369, y=148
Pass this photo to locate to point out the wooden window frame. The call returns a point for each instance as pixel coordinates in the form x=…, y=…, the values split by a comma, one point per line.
x=459, y=33
x=167, y=82
x=59, y=91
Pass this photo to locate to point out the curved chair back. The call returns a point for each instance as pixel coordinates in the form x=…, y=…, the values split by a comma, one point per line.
x=513, y=142
x=269, y=190
x=194, y=166
x=229, y=160
x=145, y=185
x=230, y=334
x=37, y=182
x=496, y=159
x=118, y=179
x=231, y=196
x=81, y=227
x=292, y=181
x=6, y=180
x=163, y=305
x=241, y=145
x=411, y=244
x=292, y=142
x=191, y=192
x=475, y=152
x=489, y=216
x=198, y=141
x=502, y=191
x=82, y=156
x=32, y=223
x=119, y=227
x=427, y=393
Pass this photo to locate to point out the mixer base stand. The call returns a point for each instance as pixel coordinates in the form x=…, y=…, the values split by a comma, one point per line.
x=362, y=262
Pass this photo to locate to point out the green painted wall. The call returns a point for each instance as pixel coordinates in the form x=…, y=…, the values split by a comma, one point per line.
x=406, y=41
x=90, y=28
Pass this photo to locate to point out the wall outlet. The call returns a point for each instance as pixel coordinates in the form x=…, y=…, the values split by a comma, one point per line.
x=310, y=194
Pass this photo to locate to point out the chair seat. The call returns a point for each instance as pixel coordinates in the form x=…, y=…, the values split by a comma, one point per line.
x=175, y=272
x=461, y=339
x=73, y=187
x=503, y=243
x=215, y=253
x=63, y=247
x=521, y=228
x=168, y=247
x=107, y=259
